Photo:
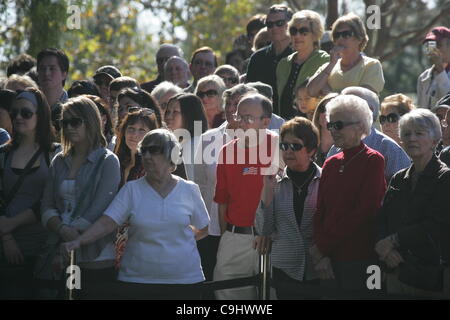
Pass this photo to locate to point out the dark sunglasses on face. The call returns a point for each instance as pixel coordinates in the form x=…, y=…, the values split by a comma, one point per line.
x=391, y=118
x=232, y=80
x=303, y=31
x=151, y=150
x=339, y=125
x=278, y=23
x=24, y=113
x=73, y=122
x=293, y=146
x=344, y=34
x=209, y=93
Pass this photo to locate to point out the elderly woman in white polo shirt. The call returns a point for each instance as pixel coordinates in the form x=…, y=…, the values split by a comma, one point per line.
x=166, y=215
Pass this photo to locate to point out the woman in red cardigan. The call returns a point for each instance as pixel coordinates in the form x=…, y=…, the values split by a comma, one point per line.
x=350, y=194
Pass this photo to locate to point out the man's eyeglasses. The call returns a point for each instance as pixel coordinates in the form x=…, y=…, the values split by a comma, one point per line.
x=73, y=122
x=391, y=118
x=339, y=125
x=210, y=93
x=151, y=149
x=293, y=146
x=25, y=113
x=343, y=34
x=246, y=118
x=303, y=31
x=278, y=23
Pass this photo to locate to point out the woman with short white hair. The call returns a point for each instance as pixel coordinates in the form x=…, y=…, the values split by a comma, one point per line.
x=350, y=194
x=163, y=92
x=413, y=224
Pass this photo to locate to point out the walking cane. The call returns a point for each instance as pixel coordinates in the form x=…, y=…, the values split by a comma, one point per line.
x=69, y=288
x=264, y=261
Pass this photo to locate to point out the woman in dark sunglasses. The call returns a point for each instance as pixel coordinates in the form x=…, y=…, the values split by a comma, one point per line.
x=305, y=30
x=167, y=215
x=209, y=90
x=229, y=75
x=348, y=66
x=393, y=108
x=350, y=194
x=320, y=122
x=287, y=208
x=84, y=179
x=24, y=169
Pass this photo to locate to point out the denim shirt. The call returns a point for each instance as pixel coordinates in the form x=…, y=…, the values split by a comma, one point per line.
x=103, y=187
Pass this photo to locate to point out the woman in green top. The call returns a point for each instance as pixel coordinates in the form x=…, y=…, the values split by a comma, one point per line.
x=305, y=29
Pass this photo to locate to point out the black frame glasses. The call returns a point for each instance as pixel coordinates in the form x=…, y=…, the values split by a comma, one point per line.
x=343, y=34
x=210, y=93
x=293, y=146
x=25, y=113
x=303, y=31
x=73, y=122
x=278, y=23
x=151, y=149
x=391, y=118
x=339, y=125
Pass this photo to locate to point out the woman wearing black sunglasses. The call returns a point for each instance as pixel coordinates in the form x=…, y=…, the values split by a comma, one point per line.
x=305, y=30
x=392, y=109
x=210, y=89
x=350, y=194
x=348, y=66
x=24, y=168
x=84, y=179
x=287, y=208
x=161, y=260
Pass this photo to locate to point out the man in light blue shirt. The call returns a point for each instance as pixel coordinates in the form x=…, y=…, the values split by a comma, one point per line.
x=395, y=157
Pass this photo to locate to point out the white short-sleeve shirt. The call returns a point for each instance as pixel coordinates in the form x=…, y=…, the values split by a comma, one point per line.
x=161, y=246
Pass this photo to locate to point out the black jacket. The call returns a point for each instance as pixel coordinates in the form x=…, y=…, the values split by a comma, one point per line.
x=421, y=218
x=263, y=67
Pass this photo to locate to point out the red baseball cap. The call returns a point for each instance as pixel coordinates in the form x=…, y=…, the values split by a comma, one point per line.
x=437, y=34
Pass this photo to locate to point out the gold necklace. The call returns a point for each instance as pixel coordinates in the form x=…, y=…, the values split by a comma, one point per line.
x=342, y=167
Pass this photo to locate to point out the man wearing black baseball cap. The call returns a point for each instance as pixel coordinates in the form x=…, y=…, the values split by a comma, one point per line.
x=434, y=83
x=103, y=76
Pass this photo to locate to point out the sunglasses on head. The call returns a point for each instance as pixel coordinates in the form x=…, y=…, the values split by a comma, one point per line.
x=151, y=150
x=209, y=93
x=73, y=122
x=303, y=31
x=278, y=23
x=339, y=125
x=293, y=146
x=343, y=34
x=391, y=118
x=24, y=113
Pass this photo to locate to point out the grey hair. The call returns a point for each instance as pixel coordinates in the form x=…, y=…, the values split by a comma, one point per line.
x=423, y=119
x=371, y=98
x=354, y=108
x=172, y=46
x=227, y=68
x=166, y=140
x=218, y=84
x=239, y=89
x=163, y=88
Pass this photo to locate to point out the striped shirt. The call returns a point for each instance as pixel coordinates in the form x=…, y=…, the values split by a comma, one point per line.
x=290, y=248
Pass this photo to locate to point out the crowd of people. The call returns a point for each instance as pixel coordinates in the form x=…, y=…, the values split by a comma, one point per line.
x=285, y=150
